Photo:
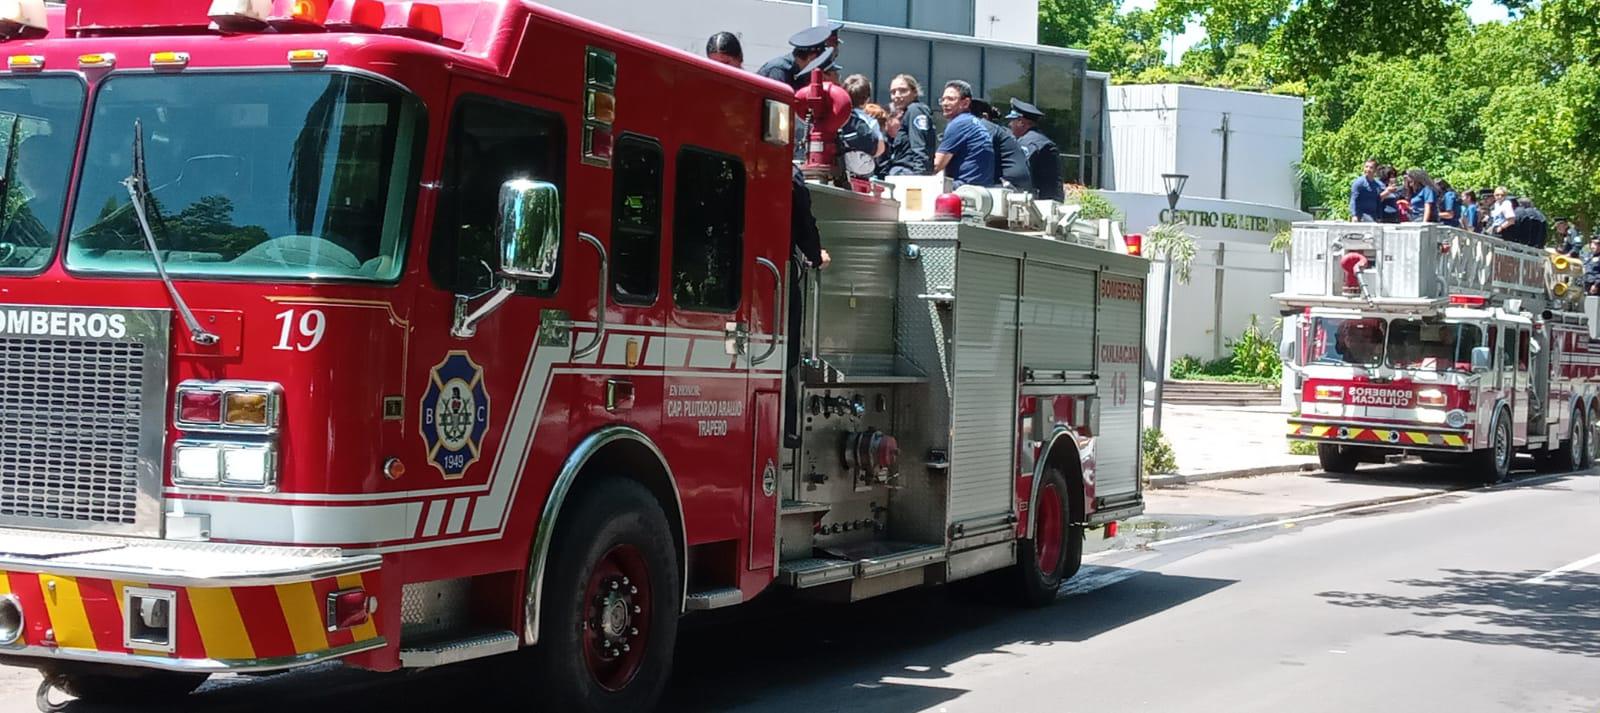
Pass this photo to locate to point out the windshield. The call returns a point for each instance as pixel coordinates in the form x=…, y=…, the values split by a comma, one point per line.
x=1432, y=346
x=1349, y=341
x=297, y=175
x=39, y=119
x=1411, y=343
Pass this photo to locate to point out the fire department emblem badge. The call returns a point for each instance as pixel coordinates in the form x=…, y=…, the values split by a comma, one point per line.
x=455, y=414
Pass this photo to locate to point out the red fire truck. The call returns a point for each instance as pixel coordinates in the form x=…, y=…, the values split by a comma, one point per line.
x=1457, y=347
x=406, y=333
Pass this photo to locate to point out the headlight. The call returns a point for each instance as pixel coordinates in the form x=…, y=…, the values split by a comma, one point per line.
x=1431, y=397
x=1456, y=418
x=1328, y=392
x=225, y=464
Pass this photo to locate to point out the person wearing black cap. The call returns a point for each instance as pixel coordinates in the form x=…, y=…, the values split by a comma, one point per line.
x=808, y=45
x=1011, y=163
x=724, y=48
x=1044, y=163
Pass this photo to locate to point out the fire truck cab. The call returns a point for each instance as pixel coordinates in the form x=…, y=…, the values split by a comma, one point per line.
x=405, y=333
x=1425, y=339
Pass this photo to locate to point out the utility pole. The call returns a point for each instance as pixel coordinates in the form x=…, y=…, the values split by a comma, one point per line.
x=1227, y=134
x=1174, y=184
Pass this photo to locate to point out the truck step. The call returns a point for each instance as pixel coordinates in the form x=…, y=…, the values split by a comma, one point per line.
x=442, y=650
x=713, y=599
x=802, y=507
x=817, y=571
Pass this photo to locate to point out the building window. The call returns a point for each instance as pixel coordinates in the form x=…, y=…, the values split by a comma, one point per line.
x=1007, y=75
x=707, y=230
x=490, y=142
x=1058, y=84
x=953, y=17
x=636, y=221
x=896, y=56
x=891, y=13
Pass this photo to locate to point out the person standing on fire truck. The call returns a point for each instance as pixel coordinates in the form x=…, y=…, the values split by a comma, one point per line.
x=1044, y=166
x=806, y=253
x=724, y=48
x=808, y=44
x=966, y=154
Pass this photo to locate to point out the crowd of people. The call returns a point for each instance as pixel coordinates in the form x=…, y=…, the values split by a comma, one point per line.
x=1384, y=195
x=900, y=134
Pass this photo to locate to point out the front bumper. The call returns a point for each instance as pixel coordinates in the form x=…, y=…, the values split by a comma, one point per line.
x=1405, y=437
x=228, y=607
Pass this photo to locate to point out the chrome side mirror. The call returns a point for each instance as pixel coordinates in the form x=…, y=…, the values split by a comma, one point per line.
x=1480, y=359
x=529, y=229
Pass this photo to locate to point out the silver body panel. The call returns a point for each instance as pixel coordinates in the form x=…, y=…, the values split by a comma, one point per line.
x=1412, y=261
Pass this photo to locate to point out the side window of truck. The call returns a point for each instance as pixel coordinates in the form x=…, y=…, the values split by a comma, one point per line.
x=708, y=231
x=1522, y=349
x=1508, y=349
x=491, y=142
x=636, y=221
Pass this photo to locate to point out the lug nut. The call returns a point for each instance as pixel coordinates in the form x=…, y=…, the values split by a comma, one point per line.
x=633, y=631
x=625, y=648
x=633, y=590
x=624, y=580
x=637, y=609
x=614, y=585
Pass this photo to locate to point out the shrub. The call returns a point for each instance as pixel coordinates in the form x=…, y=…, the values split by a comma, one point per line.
x=1302, y=448
x=1158, y=456
x=1255, y=353
x=1092, y=205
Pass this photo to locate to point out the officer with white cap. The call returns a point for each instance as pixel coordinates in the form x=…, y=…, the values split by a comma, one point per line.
x=808, y=45
x=1043, y=156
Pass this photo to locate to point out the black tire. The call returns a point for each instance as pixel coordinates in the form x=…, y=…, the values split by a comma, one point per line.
x=1031, y=584
x=1335, y=458
x=610, y=516
x=1591, y=436
x=1575, y=449
x=105, y=684
x=1493, y=463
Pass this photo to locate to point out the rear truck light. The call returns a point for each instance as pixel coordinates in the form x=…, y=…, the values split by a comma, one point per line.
x=149, y=619
x=229, y=406
x=778, y=126
x=1468, y=300
x=12, y=621
x=225, y=464
x=1111, y=529
x=349, y=608
x=1135, y=243
x=97, y=60
x=1433, y=398
x=23, y=20
x=169, y=60
x=25, y=62
x=1327, y=392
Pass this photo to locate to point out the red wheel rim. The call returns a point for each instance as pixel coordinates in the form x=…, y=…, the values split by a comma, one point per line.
x=1048, y=527
x=616, y=617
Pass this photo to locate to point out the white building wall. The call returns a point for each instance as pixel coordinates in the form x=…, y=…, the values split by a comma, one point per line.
x=1202, y=321
x=763, y=26
x=1007, y=20
x=1169, y=128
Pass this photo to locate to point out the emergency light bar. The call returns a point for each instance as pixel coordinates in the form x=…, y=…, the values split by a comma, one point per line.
x=22, y=19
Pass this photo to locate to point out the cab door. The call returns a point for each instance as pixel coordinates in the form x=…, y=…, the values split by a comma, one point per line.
x=706, y=414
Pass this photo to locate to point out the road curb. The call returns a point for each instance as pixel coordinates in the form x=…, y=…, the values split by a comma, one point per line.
x=1168, y=481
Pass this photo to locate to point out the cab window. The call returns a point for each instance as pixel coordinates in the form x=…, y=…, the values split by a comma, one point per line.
x=707, y=230
x=491, y=142
x=636, y=221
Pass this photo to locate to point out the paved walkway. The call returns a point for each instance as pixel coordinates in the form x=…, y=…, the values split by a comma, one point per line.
x=1209, y=439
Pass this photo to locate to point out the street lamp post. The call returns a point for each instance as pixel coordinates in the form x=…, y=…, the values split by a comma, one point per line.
x=1174, y=183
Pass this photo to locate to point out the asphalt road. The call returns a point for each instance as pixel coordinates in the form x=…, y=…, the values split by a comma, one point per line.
x=1466, y=601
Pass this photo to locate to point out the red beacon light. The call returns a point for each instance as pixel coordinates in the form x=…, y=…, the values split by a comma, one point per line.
x=948, y=207
x=1468, y=300
x=1134, y=243
x=23, y=20
x=417, y=20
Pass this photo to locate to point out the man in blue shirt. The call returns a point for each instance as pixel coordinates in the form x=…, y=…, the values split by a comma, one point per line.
x=1364, y=203
x=966, y=154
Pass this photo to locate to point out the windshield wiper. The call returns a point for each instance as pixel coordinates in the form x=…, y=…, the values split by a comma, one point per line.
x=10, y=168
x=136, y=184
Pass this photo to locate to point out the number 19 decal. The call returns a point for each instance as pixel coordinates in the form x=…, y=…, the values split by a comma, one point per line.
x=301, y=335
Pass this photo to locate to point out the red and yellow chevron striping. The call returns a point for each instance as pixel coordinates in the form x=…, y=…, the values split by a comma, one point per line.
x=1379, y=436
x=233, y=624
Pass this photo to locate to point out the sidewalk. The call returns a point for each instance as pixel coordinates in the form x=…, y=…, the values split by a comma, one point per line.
x=1210, y=440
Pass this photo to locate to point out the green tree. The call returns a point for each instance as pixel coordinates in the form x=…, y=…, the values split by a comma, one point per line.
x=1319, y=36
x=1070, y=23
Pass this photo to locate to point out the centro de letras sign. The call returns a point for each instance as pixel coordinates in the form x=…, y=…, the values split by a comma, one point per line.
x=1214, y=219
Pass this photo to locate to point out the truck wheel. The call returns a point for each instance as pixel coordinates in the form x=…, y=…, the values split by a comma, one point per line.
x=97, y=684
x=1493, y=464
x=1335, y=458
x=610, y=610
x=1591, y=434
x=1575, y=449
x=1055, y=552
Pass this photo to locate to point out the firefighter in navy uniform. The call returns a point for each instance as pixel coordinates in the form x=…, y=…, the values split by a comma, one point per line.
x=1043, y=157
x=806, y=254
x=808, y=45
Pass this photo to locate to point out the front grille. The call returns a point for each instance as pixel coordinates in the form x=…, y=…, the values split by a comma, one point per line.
x=78, y=446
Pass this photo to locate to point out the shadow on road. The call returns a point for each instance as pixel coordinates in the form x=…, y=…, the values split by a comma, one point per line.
x=1498, y=608
x=896, y=653
x=888, y=654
